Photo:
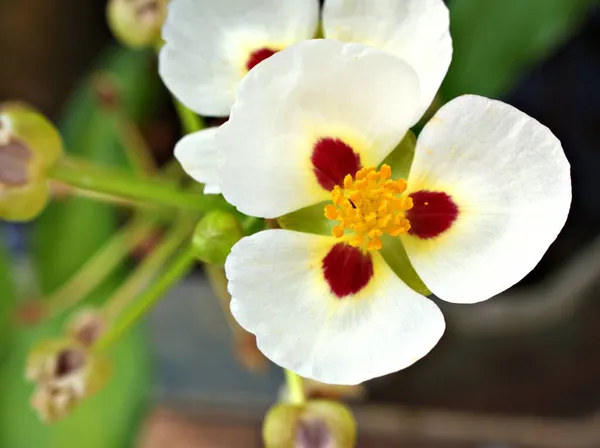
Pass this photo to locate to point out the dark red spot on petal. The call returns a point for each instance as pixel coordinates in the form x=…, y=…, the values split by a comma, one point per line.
x=347, y=269
x=257, y=56
x=432, y=214
x=332, y=160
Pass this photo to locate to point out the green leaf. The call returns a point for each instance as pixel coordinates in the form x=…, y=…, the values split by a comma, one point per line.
x=77, y=227
x=495, y=41
x=65, y=237
x=395, y=255
x=7, y=297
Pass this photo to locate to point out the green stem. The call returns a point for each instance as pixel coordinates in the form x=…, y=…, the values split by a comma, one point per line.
x=295, y=387
x=190, y=121
x=87, y=176
x=177, y=269
x=149, y=268
x=104, y=261
x=135, y=145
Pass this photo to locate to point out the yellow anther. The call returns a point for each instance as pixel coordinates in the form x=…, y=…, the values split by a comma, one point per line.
x=368, y=206
x=331, y=212
x=338, y=231
x=385, y=172
x=348, y=181
x=374, y=244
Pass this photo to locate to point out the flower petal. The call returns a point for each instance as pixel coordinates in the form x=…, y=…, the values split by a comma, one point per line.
x=209, y=45
x=510, y=180
x=197, y=153
x=301, y=106
x=415, y=30
x=279, y=293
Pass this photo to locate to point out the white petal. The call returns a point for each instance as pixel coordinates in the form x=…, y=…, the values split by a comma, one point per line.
x=279, y=294
x=208, y=43
x=415, y=30
x=197, y=153
x=312, y=90
x=511, y=181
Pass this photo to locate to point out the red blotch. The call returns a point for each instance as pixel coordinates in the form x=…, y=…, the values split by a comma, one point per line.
x=332, y=160
x=432, y=214
x=347, y=269
x=257, y=56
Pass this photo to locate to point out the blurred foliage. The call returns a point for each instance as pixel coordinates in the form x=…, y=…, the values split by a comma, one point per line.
x=495, y=41
x=7, y=298
x=66, y=235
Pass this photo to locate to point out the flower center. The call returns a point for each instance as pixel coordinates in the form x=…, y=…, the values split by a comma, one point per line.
x=369, y=205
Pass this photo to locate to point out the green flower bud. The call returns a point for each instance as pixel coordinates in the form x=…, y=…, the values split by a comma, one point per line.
x=65, y=373
x=315, y=424
x=215, y=235
x=137, y=23
x=29, y=146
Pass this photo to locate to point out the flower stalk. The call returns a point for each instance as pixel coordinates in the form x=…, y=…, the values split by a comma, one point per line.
x=295, y=386
x=93, y=273
x=190, y=121
x=87, y=176
x=148, y=269
x=178, y=268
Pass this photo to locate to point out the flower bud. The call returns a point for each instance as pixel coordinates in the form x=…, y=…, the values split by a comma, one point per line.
x=137, y=23
x=215, y=235
x=29, y=146
x=65, y=373
x=315, y=424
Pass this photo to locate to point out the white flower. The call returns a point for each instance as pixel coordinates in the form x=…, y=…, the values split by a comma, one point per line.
x=487, y=193
x=210, y=45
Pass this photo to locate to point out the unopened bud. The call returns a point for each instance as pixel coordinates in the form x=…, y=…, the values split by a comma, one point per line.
x=29, y=146
x=137, y=23
x=65, y=373
x=215, y=235
x=315, y=424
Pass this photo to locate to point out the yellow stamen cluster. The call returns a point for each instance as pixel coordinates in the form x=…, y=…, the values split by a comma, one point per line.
x=369, y=205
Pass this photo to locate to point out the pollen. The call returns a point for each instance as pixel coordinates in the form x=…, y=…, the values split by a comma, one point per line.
x=368, y=206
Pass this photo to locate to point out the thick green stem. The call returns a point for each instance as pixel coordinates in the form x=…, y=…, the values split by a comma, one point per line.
x=190, y=121
x=87, y=176
x=178, y=268
x=295, y=387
